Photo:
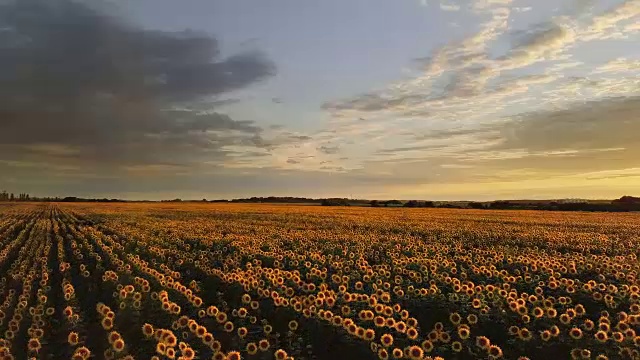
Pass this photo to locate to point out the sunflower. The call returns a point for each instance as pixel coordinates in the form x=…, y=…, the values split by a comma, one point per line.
x=242, y=331
x=604, y=326
x=200, y=331
x=524, y=334
x=207, y=339
x=495, y=352
x=221, y=317
x=386, y=340
x=622, y=326
x=107, y=323
x=293, y=325
x=415, y=352
x=242, y=313
x=214, y=345
x=73, y=338
x=545, y=335
x=513, y=330
x=538, y=312
x=464, y=332
x=455, y=318
x=476, y=303
x=601, y=336
x=565, y=319
x=280, y=354
x=390, y=322
x=588, y=325
x=483, y=342
x=113, y=336
x=617, y=336
x=161, y=348
x=444, y=337
x=33, y=345
x=575, y=333
x=369, y=334
x=118, y=345
x=427, y=345
x=576, y=354
x=246, y=298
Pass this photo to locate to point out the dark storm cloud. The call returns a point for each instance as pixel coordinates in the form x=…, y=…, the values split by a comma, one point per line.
x=73, y=76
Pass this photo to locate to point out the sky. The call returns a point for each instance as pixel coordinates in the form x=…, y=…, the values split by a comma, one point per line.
x=406, y=99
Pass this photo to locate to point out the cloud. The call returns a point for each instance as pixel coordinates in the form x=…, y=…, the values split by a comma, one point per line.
x=603, y=124
x=522, y=9
x=397, y=150
x=329, y=150
x=449, y=7
x=618, y=65
x=454, y=133
x=370, y=102
x=73, y=77
x=536, y=43
x=614, y=174
x=602, y=26
x=504, y=105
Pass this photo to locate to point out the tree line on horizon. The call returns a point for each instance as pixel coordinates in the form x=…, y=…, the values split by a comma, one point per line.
x=5, y=196
x=623, y=204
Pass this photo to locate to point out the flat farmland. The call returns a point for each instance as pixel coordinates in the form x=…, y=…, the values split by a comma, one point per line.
x=232, y=281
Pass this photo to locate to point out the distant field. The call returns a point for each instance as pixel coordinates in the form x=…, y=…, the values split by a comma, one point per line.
x=231, y=281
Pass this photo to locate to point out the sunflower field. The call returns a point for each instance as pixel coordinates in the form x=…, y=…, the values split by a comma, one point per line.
x=246, y=281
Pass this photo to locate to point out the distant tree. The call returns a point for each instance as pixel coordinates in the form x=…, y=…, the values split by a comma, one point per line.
x=502, y=205
x=392, y=203
x=334, y=202
x=627, y=200
x=411, y=203
x=12, y=198
x=374, y=203
x=476, y=205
